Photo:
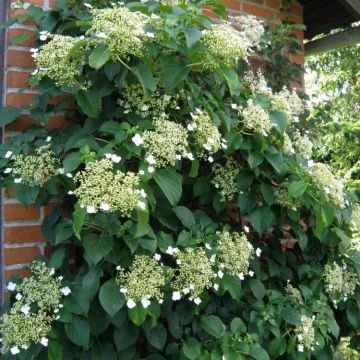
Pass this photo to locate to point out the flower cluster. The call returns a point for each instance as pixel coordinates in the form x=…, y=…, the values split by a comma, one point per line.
x=287, y=146
x=283, y=199
x=354, y=221
x=255, y=118
x=224, y=45
x=345, y=352
x=225, y=178
x=102, y=189
x=305, y=334
x=38, y=300
x=328, y=183
x=194, y=274
x=133, y=100
x=57, y=62
x=250, y=27
x=288, y=103
x=37, y=169
x=166, y=144
x=206, y=135
x=340, y=282
x=234, y=252
x=303, y=145
x=142, y=282
x=121, y=30
x=294, y=293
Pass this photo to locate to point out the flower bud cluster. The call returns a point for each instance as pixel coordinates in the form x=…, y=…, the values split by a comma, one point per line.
x=142, y=282
x=102, y=189
x=133, y=100
x=288, y=103
x=303, y=145
x=38, y=300
x=255, y=118
x=327, y=183
x=121, y=30
x=55, y=60
x=224, y=44
x=37, y=169
x=305, y=334
x=225, y=178
x=340, y=282
x=283, y=199
x=294, y=293
x=207, y=138
x=234, y=252
x=250, y=28
x=166, y=144
x=354, y=221
x=287, y=146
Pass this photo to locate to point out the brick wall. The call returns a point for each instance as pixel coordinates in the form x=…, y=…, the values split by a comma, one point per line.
x=21, y=230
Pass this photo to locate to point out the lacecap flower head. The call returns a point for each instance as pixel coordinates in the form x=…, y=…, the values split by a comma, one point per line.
x=255, y=118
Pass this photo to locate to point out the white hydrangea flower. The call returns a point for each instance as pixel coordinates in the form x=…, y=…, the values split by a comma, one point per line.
x=65, y=290
x=44, y=341
x=176, y=295
x=8, y=154
x=157, y=257
x=145, y=303
x=17, y=180
x=90, y=209
x=137, y=139
x=141, y=205
x=25, y=309
x=14, y=350
x=251, y=273
x=130, y=304
x=105, y=207
x=11, y=286
x=258, y=252
x=7, y=170
x=197, y=301
x=18, y=296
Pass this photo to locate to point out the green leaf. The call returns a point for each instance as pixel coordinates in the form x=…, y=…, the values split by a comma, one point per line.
x=170, y=182
x=8, y=114
x=173, y=71
x=257, y=288
x=72, y=161
x=259, y=353
x=55, y=350
x=212, y=325
x=232, y=79
x=191, y=348
x=91, y=282
x=97, y=247
x=78, y=218
x=78, y=331
x=279, y=120
x=261, y=219
x=353, y=315
x=277, y=161
x=143, y=226
x=192, y=35
x=57, y=258
x=99, y=56
x=137, y=314
x=125, y=335
x=290, y=315
x=19, y=39
x=185, y=216
x=89, y=102
x=157, y=336
x=64, y=230
x=277, y=347
x=26, y=194
x=111, y=298
x=146, y=78
x=268, y=194
x=297, y=188
x=254, y=159
x=237, y=326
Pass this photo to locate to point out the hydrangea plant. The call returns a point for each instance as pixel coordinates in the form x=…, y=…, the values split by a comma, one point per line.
x=188, y=219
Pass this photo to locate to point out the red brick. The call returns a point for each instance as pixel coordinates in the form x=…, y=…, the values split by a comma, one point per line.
x=257, y=11
x=19, y=100
x=232, y=4
x=296, y=10
x=21, y=58
x=13, y=33
x=33, y=2
x=15, y=272
x=275, y=4
x=17, y=212
x=20, y=255
x=261, y=2
x=17, y=79
x=22, y=234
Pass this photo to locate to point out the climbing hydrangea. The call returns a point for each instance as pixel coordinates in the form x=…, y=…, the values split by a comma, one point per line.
x=133, y=100
x=340, y=282
x=287, y=146
x=328, y=183
x=207, y=137
x=283, y=199
x=38, y=300
x=194, y=275
x=37, y=169
x=121, y=30
x=305, y=334
x=288, y=103
x=166, y=144
x=294, y=294
x=255, y=118
x=354, y=220
x=234, y=252
x=142, y=282
x=224, y=45
x=250, y=28
x=55, y=61
x=101, y=189
x=303, y=145
x=225, y=178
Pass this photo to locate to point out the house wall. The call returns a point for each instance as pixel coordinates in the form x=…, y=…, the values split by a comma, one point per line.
x=21, y=227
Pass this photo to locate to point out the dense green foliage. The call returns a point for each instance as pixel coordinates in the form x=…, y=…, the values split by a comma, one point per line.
x=335, y=119
x=189, y=221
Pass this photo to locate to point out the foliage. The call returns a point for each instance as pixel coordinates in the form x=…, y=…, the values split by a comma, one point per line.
x=184, y=264
x=335, y=118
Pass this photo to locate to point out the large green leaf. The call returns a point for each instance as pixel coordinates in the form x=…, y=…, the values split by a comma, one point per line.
x=185, y=216
x=137, y=314
x=72, y=161
x=143, y=226
x=97, y=246
x=99, y=56
x=290, y=315
x=191, y=348
x=261, y=219
x=8, y=114
x=173, y=71
x=157, y=336
x=79, y=215
x=26, y=194
x=111, y=298
x=212, y=325
x=89, y=102
x=170, y=182
x=257, y=288
x=146, y=78
x=78, y=331
x=297, y=188
x=232, y=79
x=192, y=35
